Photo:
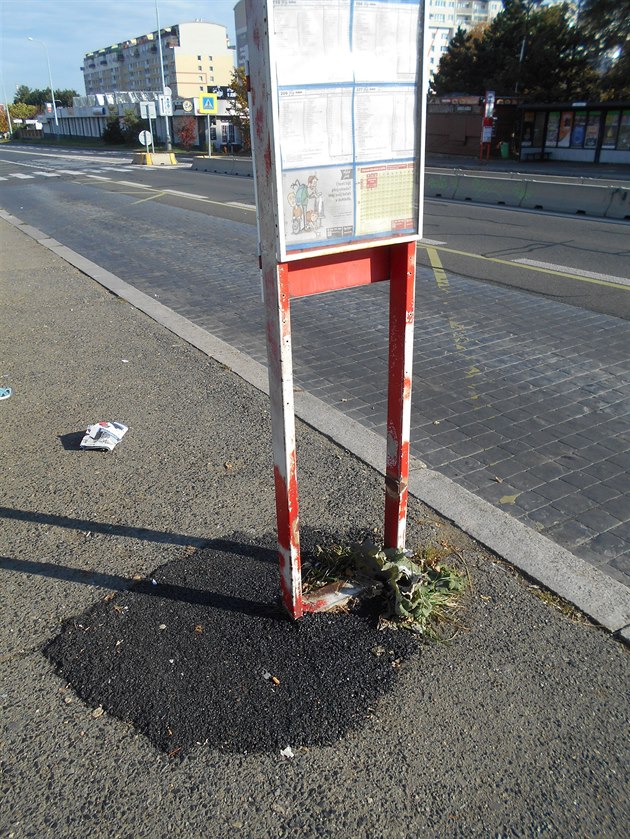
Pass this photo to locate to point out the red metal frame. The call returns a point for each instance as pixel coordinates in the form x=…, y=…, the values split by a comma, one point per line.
x=284, y=281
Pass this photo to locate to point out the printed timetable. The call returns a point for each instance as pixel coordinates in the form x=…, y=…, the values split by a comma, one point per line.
x=349, y=116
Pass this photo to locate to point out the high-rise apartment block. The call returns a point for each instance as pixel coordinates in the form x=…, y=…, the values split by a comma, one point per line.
x=197, y=57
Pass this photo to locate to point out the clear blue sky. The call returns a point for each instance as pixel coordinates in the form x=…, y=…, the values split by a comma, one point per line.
x=70, y=28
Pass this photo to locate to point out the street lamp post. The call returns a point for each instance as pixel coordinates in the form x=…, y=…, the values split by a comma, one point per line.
x=168, y=135
x=52, y=92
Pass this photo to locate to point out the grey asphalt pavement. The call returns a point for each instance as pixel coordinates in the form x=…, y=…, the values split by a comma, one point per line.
x=517, y=727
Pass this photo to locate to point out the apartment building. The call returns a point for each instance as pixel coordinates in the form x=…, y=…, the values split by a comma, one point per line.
x=197, y=57
x=444, y=18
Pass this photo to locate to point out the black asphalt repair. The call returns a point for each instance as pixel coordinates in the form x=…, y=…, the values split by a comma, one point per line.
x=182, y=655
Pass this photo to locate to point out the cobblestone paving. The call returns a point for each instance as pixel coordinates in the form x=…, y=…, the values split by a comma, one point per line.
x=524, y=401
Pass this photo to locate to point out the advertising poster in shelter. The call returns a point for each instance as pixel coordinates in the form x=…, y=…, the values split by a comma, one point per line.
x=349, y=116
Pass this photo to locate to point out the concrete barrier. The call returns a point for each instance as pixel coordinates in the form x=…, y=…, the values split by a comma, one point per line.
x=602, y=201
x=440, y=185
x=619, y=206
x=504, y=191
x=581, y=199
x=221, y=164
x=158, y=158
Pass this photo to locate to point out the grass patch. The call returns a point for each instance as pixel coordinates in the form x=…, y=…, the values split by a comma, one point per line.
x=420, y=590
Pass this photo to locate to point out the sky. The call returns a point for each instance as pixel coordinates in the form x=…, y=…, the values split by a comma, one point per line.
x=70, y=28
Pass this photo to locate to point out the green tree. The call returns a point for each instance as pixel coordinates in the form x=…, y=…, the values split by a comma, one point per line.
x=21, y=93
x=606, y=28
x=537, y=52
x=39, y=97
x=459, y=70
x=239, y=106
x=113, y=133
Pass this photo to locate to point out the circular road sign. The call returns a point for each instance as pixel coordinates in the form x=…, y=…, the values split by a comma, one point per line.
x=145, y=137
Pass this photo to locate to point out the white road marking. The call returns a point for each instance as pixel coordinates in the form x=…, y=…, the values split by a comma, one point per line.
x=47, y=174
x=430, y=242
x=19, y=175
x=565, y=269
x=241, y=205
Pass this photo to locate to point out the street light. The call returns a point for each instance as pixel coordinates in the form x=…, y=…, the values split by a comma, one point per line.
x=52, y=92
x=168, y=136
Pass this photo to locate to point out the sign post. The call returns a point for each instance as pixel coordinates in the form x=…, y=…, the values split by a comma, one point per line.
x=147, y=111
x=487, y=124
x=146, y=138
x=339, y=155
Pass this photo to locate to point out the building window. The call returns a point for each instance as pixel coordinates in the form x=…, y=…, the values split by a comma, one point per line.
x=198, y=58
x=199, y=67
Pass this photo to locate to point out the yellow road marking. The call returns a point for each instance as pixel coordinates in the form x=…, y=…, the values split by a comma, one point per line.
x=458, y=330
x=522, y=265
x=438, y=271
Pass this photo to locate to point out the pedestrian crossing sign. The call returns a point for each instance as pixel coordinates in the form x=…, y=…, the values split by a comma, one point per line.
x=207, y=104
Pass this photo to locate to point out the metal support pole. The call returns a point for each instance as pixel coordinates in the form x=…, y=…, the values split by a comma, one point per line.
x=401, y=317
x=52, y=92
x=276, y=291
x=169, y=147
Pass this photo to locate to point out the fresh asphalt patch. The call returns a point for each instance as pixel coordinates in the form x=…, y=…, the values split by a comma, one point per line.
x=181, y=656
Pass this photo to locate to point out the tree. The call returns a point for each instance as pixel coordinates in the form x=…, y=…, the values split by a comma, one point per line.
x=458, y=71
x=239, y=106
x=4, y=122
x=40, y=97
x=113, y=133
x=22, y=93
x=606, y=27
x=187, y=130
x=21, y=111
x=536, y=52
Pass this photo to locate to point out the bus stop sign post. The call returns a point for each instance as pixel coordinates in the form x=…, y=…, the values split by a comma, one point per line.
x=321, y=223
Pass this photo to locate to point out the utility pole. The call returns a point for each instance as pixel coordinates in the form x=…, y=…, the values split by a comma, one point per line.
x=169, y=147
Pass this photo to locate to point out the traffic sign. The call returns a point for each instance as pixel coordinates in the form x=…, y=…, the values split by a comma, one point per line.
x=207, y=104
x=165, y=105
x=147, y=110
x=145, y=138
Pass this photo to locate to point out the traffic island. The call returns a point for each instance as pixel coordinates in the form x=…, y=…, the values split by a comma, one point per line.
x=159, y=158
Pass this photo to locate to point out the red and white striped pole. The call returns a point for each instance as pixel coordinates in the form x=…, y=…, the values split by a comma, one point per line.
x=276, y=290
x=401, y=318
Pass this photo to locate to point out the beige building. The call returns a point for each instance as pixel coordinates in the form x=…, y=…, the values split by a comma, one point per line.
x=196, y=55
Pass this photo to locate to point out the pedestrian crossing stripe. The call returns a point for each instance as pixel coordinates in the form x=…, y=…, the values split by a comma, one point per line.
x=207, y=104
